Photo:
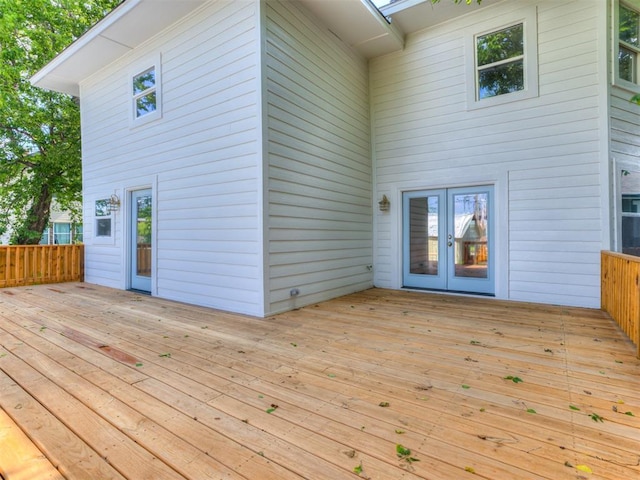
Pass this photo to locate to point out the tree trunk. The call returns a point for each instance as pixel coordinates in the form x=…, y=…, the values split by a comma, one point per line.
x=36, y=220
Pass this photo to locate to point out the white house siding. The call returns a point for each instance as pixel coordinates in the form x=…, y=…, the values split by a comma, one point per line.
x=319, y=221
x=625, y=127
x=544, y=154
x=202, y=158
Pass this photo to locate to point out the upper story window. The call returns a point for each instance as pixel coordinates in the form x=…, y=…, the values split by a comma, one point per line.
x=146, y=91
x=502, y=62
x=628, y=44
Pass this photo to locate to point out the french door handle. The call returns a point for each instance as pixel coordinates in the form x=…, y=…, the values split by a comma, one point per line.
x=449, y=244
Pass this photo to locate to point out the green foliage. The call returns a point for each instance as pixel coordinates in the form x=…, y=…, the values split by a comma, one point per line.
x=404, y=453
x=39, y=130
x=596, y=418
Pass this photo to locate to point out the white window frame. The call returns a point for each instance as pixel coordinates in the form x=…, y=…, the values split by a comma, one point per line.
x=528, y=17
x=103, y=239
x=149, y=63
x=615, y=42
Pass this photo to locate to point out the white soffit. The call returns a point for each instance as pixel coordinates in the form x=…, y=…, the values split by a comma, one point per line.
x=410, y=16
x=359, y=24
x=127, y=26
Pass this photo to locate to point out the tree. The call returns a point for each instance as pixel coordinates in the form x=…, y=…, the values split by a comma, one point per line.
x=39, y=130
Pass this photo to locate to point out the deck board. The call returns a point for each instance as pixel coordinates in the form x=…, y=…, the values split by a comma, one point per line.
x=114, y=384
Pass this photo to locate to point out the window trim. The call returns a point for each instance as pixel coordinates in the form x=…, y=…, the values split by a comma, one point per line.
x=528, y=18
x=615, y=42
x=139, y=68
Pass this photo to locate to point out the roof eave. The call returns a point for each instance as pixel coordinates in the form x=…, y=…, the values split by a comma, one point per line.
x=122, y=30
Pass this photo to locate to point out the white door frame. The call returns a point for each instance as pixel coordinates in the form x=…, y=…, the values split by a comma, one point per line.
x=446, y=278
x=136, y=282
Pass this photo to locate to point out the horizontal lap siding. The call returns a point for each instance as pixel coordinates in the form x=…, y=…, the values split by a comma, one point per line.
x=203, y=154
x=625, y=126
x=319, y=223
x=546, y=149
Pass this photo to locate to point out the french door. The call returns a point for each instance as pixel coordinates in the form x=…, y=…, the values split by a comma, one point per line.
x=140, y=240
x=448, y=239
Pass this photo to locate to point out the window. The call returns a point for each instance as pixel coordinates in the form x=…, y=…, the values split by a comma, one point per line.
x=61, y=233
x=103, y=218
x=628, y=44
x=502, y=62
x=144, y=93
x=145, y=89
x=77, y=233
x=630, y=210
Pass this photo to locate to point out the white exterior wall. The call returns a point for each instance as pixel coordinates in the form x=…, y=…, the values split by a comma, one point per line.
x=319, y=219
x=545, y=155
x=202, y=160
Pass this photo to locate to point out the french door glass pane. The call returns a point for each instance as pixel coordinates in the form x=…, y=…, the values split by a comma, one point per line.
x=423, y=235
x=143, y=236
x=471, y=235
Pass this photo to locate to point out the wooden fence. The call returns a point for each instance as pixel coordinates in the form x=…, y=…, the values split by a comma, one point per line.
x=620, y=292
x=35, y=264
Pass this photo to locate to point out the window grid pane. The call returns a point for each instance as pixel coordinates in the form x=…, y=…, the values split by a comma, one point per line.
x=629, y=26
x=146, y=104
x=501, y=79
x=144, y=81
x=501, y=45
x=103, y=227
x=61, y=233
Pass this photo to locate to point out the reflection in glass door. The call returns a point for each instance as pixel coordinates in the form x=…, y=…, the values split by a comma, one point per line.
x=141, y=240
x=448, y=239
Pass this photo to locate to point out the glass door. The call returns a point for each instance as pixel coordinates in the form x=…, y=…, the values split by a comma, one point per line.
x=141, y=240
x=448, y=238
x=424, y=239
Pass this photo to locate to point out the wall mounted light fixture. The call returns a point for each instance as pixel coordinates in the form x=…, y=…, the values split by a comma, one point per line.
x=384, y=204
x=114, y=203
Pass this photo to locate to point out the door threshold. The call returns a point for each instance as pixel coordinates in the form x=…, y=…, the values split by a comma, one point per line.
x=458, y=293
x=141, y=292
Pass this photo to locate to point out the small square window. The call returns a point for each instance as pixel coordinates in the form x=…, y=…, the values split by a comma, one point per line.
x=103, y=227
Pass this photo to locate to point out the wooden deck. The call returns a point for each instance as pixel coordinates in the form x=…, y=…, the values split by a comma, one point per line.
x=111, y=385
